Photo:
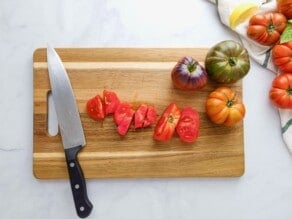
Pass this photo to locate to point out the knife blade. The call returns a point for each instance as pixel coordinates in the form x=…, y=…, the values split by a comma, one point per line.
x=70, y=127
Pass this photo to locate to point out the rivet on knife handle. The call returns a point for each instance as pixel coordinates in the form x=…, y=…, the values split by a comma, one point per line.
x=82, y=204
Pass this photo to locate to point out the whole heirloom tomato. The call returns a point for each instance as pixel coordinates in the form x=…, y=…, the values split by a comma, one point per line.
x=224, y=107
x=282, y=56
x=227, y=62
x=189, y=75
x=281, y=91
x=266, y=28
x=285, y=7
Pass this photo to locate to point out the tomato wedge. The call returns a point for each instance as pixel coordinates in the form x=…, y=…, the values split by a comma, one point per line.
x=166, y=124
x=123, y=117
x=95, y=108
x=151, y=116
x=188, y=125
x=140, y=116
x=111, y=101
x=145, y=116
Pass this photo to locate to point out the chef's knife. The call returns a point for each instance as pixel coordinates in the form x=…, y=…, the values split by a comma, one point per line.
x=70, y=128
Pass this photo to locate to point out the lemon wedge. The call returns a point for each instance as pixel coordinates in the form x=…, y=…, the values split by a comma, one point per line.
x=242, y=12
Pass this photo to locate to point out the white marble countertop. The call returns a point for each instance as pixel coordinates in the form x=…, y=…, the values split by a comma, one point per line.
x=264, y=191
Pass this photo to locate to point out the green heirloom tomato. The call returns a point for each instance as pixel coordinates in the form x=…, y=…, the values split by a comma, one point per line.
x=227, y=62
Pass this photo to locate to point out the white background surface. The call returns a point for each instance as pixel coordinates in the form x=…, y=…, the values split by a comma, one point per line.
x=264, y=191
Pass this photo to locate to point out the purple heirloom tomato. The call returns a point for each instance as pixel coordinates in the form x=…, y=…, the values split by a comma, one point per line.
x=188, y=74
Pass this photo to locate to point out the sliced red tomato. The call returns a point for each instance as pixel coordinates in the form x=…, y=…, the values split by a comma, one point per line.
x=94, y=108
x=151, y=116
x=145, y=116
x=188, y=125
x=111, y=101
x=124, y=125
x=123, y=117
x=166, y=124
x=140, y=116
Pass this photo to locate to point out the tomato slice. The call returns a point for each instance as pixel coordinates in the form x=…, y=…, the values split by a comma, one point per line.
x=188, y=125
x=111, y=101
x=166, y=124
x=151, y=116
x=94, y=108
x=123, y=117
x=145, y=116
x=140, y=116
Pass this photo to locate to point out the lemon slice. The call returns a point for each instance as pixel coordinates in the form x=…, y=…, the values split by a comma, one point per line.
x=242, y=12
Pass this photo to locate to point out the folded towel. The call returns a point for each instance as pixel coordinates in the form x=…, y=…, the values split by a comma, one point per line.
x=261, y=54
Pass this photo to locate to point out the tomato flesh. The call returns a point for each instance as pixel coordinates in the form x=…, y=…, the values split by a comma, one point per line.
x=140, y=116
x=166, y=124
x=151, y=116
x=188, y=125
x=111, y=101
x=123, y=117
x=95, y=108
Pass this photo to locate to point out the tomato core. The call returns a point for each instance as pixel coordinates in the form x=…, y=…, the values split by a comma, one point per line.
x=232, y=61
x=289, y=91
x=271, y=27
x=170, y=119
x=192, y=67
x=229, y=103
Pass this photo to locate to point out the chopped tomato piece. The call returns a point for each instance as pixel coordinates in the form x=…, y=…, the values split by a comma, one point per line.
x=94, y=108
x=151, y=116
x=111, y=101
x=123, y=117
x=140, y=116
x=166, y=124
x=188, y=125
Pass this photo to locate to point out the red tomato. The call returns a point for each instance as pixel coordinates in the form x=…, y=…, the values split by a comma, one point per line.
x=282, y=56
x=166, y=124
x=188, y=125
x=151, y=116
x=111, y=101
x=124, y=125
x=94, y=108
x=145, y=116
x=281, y=91
x=285, y=7
x=266, y=28
x=140, y=115
x=123, y=117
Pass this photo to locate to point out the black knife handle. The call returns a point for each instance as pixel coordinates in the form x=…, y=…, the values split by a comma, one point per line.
x=82, y=204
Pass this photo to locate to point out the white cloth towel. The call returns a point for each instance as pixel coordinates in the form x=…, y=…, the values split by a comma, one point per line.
x=261, y=54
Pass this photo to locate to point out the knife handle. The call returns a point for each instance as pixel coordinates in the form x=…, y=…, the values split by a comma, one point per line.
x=82, y=204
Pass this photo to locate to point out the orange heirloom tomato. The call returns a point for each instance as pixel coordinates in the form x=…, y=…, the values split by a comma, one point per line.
x=281, y=91
x=285, y=7
x=266, y=28
x=224, y=107
x=282, y=56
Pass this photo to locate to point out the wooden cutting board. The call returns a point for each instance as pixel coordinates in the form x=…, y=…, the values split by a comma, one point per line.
x=137, y=75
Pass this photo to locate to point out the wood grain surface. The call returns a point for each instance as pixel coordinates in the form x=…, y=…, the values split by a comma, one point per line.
x=137, y=75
